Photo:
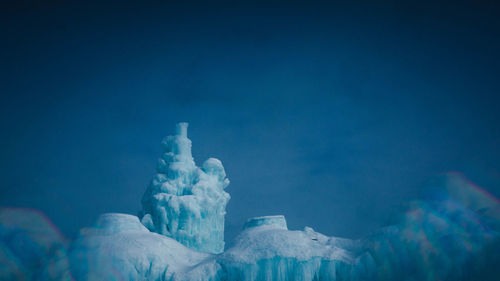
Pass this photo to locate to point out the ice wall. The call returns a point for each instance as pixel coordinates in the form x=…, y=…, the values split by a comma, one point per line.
x=267, y=251
x=186, y=202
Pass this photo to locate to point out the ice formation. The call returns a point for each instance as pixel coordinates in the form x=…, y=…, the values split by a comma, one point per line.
x=451, y=233
x=267, y=250
x=438, y=239
x=119, y=247
x=186, y=202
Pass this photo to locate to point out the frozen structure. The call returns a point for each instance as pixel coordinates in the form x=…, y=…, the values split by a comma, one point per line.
x=451, y=233
x=436, y=238
x=186, y=202
x=266, y=250
x=431, y=241
x=119, y=247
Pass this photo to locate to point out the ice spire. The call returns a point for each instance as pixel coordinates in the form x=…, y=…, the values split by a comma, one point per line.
x=186, y=202
x=182, y=129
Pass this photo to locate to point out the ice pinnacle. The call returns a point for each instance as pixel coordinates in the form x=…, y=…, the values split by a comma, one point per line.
x=186, y=202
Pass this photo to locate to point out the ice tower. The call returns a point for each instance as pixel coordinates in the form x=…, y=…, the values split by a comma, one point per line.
x=186, y=202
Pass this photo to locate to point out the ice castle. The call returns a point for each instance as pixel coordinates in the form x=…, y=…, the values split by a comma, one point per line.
x=179, y=236
x=186, y=202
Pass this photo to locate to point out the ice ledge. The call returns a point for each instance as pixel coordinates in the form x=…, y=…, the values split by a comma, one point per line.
x=277, y=221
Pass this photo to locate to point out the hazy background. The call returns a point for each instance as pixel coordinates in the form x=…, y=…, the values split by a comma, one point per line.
x=331, y=114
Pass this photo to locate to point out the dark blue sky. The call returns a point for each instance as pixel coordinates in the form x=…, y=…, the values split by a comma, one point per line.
x=330, y=114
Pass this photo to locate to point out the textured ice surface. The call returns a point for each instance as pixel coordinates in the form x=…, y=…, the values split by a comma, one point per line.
x=451, y=233
x=269, y=251
x=119, y=247
x=439, y=238
x=186, y=202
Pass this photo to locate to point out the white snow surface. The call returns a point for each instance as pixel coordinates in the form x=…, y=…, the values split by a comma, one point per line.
x=268, y=241
x=180, y=235
x=119, y=247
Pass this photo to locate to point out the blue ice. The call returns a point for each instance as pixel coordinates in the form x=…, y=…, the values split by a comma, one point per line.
x=450, y=234
x=186, y=202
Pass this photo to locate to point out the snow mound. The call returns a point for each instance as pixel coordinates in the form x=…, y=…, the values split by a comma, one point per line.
x=118, y=247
